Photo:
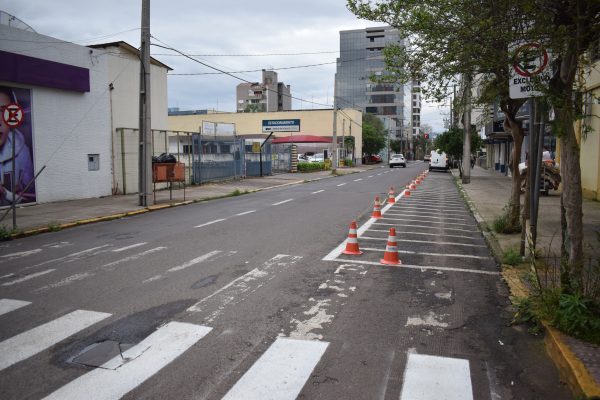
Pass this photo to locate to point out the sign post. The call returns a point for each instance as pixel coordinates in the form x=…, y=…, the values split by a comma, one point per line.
x=530, y=72
x=13, y=117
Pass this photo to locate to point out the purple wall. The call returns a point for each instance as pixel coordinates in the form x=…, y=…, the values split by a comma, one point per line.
x=27, y=70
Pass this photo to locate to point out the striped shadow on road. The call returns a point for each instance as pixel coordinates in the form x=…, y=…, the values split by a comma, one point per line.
x=434, y=378
x=27, y=344
x=280, y=373
x=124, y=373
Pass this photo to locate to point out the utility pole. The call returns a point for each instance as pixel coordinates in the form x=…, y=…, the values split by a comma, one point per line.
x=334, y=158
x=466, y=161
x=145, y=134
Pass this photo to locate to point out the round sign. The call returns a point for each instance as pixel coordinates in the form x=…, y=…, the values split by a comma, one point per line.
x=13, y=115
x=530, y=59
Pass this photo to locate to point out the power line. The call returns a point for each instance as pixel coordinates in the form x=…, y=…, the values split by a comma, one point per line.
x=167, y=47
x=253, y=70
x=251, y=55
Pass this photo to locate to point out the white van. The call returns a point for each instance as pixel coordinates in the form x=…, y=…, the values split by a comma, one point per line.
x=439, y=160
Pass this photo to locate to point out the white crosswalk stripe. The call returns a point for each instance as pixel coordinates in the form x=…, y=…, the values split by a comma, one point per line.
x=280, y=373
x=8, y=305
x=120, y=375
x=27, y=344
x=434, y=378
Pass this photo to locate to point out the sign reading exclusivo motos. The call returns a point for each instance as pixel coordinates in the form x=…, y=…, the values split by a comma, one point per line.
x=530, y=70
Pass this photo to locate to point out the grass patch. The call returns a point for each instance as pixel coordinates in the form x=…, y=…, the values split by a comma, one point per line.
x=6, y=232
x=511, y=257
x=501, y=225
x=54, y=226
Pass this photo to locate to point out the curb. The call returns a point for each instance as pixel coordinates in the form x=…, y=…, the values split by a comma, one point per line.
x=569, y=367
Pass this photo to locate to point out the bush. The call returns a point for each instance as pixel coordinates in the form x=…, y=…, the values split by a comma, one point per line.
x=501, y=225
x=310, y=167
x=511, y=257
x=575, y=315
x=349, y=163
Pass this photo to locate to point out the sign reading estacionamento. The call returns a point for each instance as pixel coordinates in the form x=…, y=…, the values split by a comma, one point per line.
x=280, y=125
x=530, y=70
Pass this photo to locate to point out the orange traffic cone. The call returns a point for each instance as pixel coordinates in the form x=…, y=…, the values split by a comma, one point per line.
x=390, y=257
x=413, y=185
x=352, y=241
x=391, y=197
x=407, y=190
x=376, y=209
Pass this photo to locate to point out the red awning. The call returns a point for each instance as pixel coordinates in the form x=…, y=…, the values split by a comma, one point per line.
x=302, y=139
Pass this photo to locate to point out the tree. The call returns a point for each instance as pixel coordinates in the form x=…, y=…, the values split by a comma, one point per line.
x=570, y=29
x=445, y=39
x=396, y=146
x=373, y=134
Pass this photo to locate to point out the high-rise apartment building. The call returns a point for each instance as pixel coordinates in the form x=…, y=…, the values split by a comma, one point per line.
x=361, y=57
x=415, y=114
x=266, y=96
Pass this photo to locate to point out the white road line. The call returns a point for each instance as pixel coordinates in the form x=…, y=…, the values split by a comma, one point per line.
x=370, y=176
x=428, y=227
x=427, y=241
x=434, y=378
x=67, y=281
x=133, y=246
x=421, y=267
x=245, y=213
x=69, y=257
x=428, y=234
x=434, y=202
x=133, y=257
x=281, y=372
x=358, y=180
x=318, y=191
x=282, y=202
x=429, y=222
x=121, y=375
x=341, y=184
x=7, y=275
x=424, y=216
x=438, y=209
x=427, y=213
x=27, y=277
x=195, y=261
x=418, y=253
x=8, y=305
x=27, y=344
x=210, y=223
x=21, y=254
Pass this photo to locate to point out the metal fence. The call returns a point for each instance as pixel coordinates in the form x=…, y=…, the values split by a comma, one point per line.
x=206, y=157
x=282, y=157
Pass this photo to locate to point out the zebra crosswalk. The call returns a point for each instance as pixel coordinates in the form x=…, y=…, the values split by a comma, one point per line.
x=281, y=372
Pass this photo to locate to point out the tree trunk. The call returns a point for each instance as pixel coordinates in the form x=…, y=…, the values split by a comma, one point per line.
x=466, y=158
x=514, y=205
x=572, y=198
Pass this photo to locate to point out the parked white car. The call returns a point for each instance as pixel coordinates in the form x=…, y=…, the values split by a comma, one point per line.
x=319, y=157
x=397, y=160
x=439, y=160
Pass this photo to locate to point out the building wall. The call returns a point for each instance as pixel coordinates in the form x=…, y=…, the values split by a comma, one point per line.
x=590, y=142
x=124, y=73
x=312, y=122
x=67, y=126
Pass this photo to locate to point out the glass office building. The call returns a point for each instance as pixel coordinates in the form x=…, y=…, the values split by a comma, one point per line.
x=360, y=58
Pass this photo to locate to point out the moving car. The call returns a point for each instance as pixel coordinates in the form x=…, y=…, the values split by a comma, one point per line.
x=439, y=160
x=397, y=160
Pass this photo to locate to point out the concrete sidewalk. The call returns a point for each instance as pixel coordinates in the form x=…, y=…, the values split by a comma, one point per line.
x=487, y=194
x=58, y=215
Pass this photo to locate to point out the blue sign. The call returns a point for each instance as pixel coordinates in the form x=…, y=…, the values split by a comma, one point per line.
x=280, y=125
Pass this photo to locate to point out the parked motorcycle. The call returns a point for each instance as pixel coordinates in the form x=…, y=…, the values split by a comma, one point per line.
x=549, y=176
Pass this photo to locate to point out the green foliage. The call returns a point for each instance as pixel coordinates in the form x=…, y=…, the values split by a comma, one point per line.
x=526, y=314
x=451, y=142
x=396, y=146
x=373, y=134
x=348, y=163
x=574, y=315
x=5, y=232
x=236, y=192
x=501, y=225
x=311, y=167
x=511, y=257
x=54, y=226
x=253, y=108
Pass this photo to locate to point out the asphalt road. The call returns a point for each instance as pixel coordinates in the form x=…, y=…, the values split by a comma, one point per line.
x=249, y=298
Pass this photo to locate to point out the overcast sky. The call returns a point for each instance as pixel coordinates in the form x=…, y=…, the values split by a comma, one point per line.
x=231, y=29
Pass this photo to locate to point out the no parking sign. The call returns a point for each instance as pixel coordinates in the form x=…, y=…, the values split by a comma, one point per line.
x=13, y=115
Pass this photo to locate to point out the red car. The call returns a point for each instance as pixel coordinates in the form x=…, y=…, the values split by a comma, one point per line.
x=374, y=158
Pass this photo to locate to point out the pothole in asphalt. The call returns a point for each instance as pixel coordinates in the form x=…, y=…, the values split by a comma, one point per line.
x=209, y=280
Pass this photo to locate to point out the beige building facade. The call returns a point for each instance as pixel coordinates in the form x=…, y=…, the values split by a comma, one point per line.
x=588, y=131
x=312, y=122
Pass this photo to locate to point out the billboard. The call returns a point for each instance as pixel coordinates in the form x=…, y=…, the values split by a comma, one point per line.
x=280, y=125
x=22, y=137
x=217, y=128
